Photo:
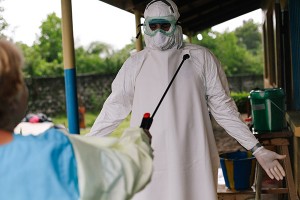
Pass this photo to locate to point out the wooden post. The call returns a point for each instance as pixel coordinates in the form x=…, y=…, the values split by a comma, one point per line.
x=69, y=67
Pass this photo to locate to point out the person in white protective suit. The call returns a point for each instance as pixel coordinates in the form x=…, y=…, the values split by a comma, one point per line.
x=186, y=159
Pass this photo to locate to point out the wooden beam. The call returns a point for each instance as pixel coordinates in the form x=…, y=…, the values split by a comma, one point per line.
x=224, y=14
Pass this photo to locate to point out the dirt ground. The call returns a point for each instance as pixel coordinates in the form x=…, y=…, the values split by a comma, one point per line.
x=224, y=141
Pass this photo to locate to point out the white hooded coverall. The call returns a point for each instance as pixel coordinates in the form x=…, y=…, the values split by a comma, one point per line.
x=185, y=154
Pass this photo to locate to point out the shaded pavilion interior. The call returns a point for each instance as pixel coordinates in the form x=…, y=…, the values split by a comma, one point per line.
x=196, y=15
x=281, y=45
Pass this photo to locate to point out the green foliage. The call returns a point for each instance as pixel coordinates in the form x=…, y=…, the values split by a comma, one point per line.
x=123, y=54
x=36, y=66
x=3, y=23
x=235, y=59
x=89, y=121
x=45, y=57
x=87, y=62
x=114, y=62
x=97, y=102
x=241, y=99
x=50, y=41
x=94, y=58
x=208, y=40
x=249, y=36
x=62, y=119
x=237, y=53
x=100, y=58
x=32, y=59
x=100, y=49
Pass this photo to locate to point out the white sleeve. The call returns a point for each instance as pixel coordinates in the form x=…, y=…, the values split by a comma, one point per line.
x=119, y=103
x=112, y=168
x=222, y=106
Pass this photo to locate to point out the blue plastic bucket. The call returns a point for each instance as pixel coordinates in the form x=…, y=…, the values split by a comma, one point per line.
x=238, y=169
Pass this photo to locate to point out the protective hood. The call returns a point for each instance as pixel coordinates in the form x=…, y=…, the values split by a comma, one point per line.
x=160, y=41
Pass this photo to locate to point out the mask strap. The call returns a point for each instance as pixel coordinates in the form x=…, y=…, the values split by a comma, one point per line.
x=139, y=33
x=164, y=1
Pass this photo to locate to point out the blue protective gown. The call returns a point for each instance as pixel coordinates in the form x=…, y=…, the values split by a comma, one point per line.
x=38, y=167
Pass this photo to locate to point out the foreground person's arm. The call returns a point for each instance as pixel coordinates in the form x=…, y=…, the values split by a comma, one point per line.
x=113, y=168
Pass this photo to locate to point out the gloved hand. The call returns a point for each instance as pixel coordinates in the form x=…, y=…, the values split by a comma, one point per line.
x=268, y=160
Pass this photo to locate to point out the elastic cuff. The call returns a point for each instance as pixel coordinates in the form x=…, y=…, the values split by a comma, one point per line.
x=257, y=150
x=255, y=147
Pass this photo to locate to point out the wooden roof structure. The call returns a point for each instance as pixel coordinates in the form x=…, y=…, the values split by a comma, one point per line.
x=196, y=15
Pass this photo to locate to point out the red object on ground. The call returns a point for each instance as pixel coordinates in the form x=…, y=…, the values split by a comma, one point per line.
x=81, y=110
x=34, y=119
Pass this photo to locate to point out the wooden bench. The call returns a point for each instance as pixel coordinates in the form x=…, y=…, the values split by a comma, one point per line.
x=279, y=142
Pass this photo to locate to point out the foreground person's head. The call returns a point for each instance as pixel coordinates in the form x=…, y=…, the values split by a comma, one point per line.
x=13, y=91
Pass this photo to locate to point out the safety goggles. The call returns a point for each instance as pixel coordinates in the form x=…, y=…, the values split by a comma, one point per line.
x=165, y=25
